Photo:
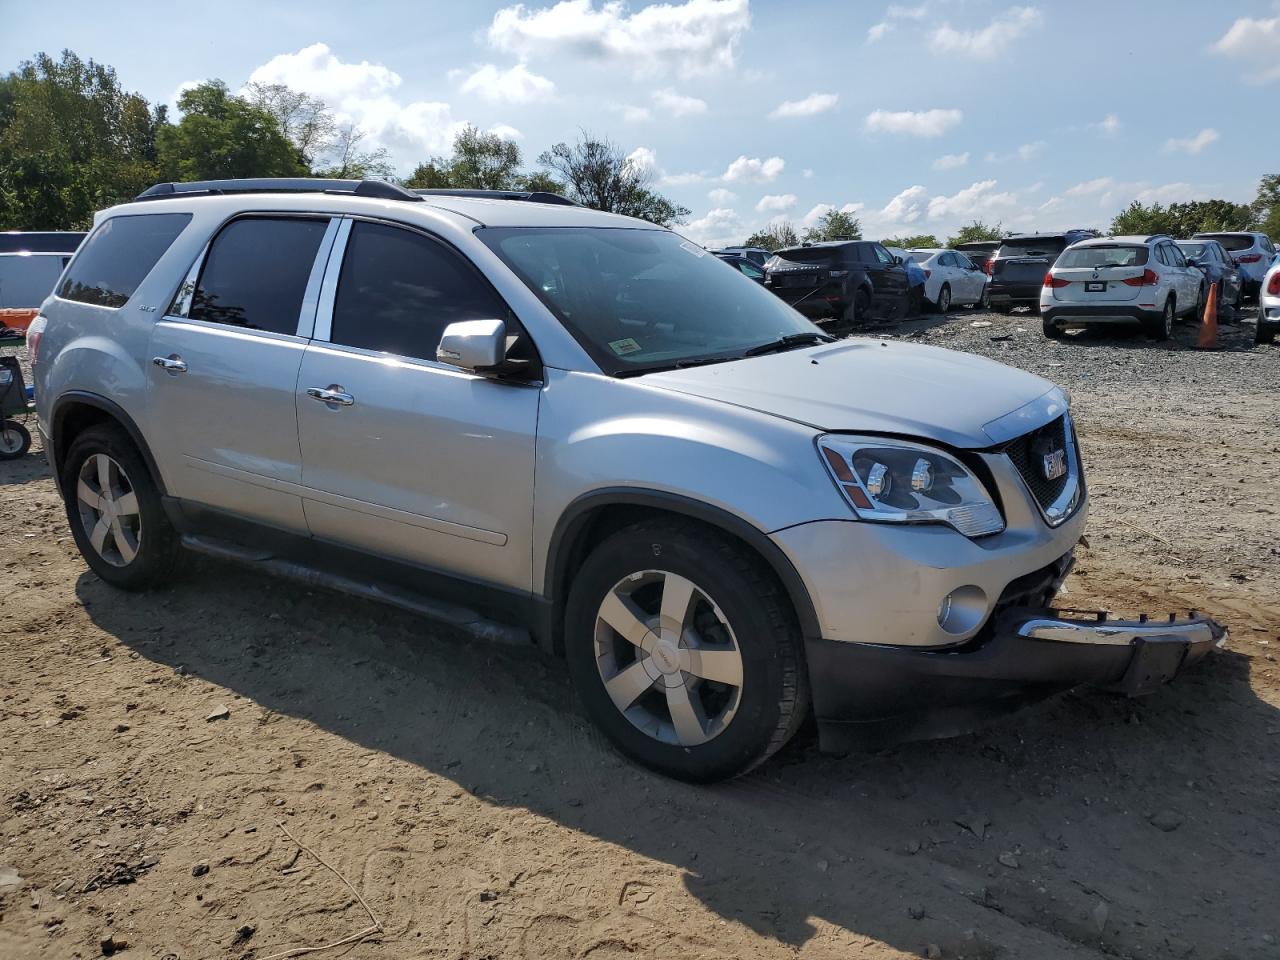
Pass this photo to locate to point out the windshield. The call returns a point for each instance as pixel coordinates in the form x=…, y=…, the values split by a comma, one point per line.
x=640, y=300
x=1233, y=241
x=26, y=280
x=1192, y=249
x=1032, y=247
x=1105, y=256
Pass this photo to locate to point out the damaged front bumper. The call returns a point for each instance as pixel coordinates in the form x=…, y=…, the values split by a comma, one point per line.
x=867, y=694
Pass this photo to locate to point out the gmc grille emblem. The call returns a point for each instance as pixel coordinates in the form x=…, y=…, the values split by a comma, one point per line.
x=1054, y=464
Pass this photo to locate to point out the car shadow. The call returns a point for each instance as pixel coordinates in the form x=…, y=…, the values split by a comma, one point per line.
x=1234, y=336
x=1160, y=813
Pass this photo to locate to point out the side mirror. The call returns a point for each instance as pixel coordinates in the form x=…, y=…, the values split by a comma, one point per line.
x=1193, y=262
x=473, y=345
x=897, y=260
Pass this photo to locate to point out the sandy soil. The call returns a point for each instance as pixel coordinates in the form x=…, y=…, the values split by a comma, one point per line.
x=460, y=791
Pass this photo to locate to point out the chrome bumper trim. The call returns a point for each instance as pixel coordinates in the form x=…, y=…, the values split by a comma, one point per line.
x=1194, y=629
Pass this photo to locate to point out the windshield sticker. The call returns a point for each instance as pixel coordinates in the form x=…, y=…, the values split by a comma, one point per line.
x=623, y=347
x=690, y=247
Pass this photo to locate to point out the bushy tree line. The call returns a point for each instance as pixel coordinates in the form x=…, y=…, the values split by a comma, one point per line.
x=73, y=141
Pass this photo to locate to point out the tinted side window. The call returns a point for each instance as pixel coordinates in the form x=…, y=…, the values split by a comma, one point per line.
x=1174, y=255
x=400, y=289
x=883, y=255
x=256, y=273
x=118, y=257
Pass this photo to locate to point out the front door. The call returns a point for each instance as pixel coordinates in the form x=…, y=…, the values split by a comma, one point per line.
x=401, y=455
x=224, y=367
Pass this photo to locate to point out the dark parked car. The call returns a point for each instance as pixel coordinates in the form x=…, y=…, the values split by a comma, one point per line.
x=844, y=281
x=1018, y=266
x=979, y=251
x=748, y=268
x=39, y=241
x=1218, y=267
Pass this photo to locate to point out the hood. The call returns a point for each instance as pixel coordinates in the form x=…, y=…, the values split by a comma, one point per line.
x=878, y=386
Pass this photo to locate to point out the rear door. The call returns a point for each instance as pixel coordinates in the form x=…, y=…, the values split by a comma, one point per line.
x=225, y=366
x=1186, y=277
x=419, y=460
x=1022, y=263
x=888, y=279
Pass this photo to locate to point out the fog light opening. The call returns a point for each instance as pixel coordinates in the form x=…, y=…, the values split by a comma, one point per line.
x=962, y=610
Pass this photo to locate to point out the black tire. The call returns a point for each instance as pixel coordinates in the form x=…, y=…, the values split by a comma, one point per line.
x=1052, y=330
x=859, y=311
x=1003, y=308
x=157, y=547
x=15, y=440
x=943, y=303
x=773, y=699
x=984, y=301
x=1264, y=334
x=1202, y=301
x=1161, y=327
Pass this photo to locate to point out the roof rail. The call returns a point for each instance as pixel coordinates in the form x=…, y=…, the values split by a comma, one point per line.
x=377, y=189
x=529, y=196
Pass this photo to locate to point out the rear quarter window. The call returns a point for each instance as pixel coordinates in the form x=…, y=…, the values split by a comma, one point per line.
x=117, y=257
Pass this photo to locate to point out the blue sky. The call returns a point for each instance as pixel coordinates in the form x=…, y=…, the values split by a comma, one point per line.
x=918, y=115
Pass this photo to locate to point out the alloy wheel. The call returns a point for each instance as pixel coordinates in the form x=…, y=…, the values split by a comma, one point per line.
x=668, y=658
x=944, y=299
x=1166, y=321
x=108, y=507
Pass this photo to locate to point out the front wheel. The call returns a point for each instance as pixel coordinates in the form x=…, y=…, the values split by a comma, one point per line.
x=114, y=509
x=685, y=651
x=15, y=440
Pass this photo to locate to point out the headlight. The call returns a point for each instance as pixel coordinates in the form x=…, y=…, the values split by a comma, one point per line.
x=893, y=481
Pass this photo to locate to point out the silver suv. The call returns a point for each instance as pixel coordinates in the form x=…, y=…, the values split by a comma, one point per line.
x=521, y=415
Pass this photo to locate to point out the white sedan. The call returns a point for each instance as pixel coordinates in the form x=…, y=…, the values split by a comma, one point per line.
x=951, y=277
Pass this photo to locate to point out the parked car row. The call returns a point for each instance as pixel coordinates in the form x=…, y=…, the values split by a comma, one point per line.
x=1151, y=280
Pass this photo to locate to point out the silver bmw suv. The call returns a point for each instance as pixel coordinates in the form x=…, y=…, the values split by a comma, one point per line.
x=537, y=420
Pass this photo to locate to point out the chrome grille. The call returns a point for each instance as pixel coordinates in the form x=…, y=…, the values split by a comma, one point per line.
x=1057, y=497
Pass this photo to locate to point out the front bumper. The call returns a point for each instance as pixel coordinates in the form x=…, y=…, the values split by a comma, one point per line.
x=867, y=694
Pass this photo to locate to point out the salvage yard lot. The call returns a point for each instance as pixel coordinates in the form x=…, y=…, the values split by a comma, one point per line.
x=457, y=786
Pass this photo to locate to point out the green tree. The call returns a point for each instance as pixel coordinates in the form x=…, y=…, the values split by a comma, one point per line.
x=224, y=136
x=1182, y=219
x=597, y=174
x=305, y=120
x=348, y=162
x=920, y=241
x=481, y=161
x=776, y=236
x=834, y=225
x=1266, y=209
x=71, y=142
x=977, y=230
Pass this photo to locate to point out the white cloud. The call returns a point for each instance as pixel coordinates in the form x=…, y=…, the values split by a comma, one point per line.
x=989, y=42
x=810, y=105
x=720, y=227
x=677, y=104
x=364, y=94
x=1191, y=144
x=694, y=37
x=877, y=31
x=506, y=131
x=643, y=160
x=807, y=173
x=754, y=170
x=924, y=123
x=721, y=197
x=681, y=179
x=515, y=85
x=975, y=199
x=776, y=203
x=896, y=11
x=636, y=114
x=1108, y=126
x=949, y=161
x=1253, y=41
x=816, y=213
x=905, y=207
x=1170, y=193
x=1028, y=151
x=1090, y=187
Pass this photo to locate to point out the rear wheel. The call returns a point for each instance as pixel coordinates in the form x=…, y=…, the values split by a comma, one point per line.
x=113, y=507
x=1160, y=327
x=984, y=301
x=1263, y=333
x=685, y=651
x=1052, y=330
x=15, y=440
x=1002, y=308
x=943, y=303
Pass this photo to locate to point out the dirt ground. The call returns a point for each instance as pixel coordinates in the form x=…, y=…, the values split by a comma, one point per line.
x=461, y=792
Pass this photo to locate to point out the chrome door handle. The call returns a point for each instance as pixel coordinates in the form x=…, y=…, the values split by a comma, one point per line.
x=333, y=394
x=170, y=364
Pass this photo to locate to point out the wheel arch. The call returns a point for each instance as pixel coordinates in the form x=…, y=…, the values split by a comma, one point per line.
x=76, y=411
x=593, y=516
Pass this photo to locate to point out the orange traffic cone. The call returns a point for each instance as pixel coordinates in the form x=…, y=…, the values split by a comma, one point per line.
x=1209, y=322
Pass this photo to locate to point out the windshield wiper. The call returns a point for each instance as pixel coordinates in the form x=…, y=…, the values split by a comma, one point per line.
x=674, y=365
x=789, y=341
